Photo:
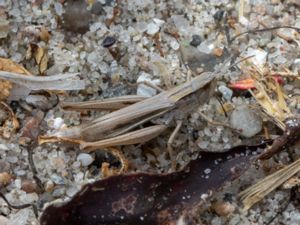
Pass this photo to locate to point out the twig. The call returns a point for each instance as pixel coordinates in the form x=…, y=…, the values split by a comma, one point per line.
x=263, y=30
x=33, y=167
x=23, y=206
x=241, y=8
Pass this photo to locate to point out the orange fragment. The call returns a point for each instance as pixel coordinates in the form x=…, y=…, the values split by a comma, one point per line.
x=243, y=84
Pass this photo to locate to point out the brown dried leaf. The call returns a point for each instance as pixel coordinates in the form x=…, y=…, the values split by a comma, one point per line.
x=41, y=58
x=5, y=87
x=9, y=66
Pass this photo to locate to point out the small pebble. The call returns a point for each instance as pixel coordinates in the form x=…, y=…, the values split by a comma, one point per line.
x=57, y=179
x=152, y=28
x=85, y=159
x=235, y=220
x=174, y=45
x=3, y=220
x=4, y=28
x=219, y=15
x=196, y=40
x=223, y=208
x=108, y=41
x=5, y=179
x=3, y=116
x=49, y=186
x=218, y=52
x=58, y=8
x=226, y=92
x=246, y=120
x=58, y=192
x=29, y=186
x=145, y=90
x=56, y=123
x=71, y=191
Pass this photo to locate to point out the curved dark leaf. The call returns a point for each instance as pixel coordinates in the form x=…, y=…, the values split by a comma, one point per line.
x=151, y=199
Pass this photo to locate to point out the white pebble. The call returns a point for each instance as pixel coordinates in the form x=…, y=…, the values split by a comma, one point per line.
x=260, y=56
x=57, y=123
x=207, y=171
x=158, y=22
x=85, y=159
x=3, y=147
x=174, y=44
x=152, y=28
x=58, y=8
x=246, y=120
x=143, y=89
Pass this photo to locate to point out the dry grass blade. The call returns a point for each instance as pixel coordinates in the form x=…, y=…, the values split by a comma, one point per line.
x=269, y=95
x=257, y=192
x=68, y=81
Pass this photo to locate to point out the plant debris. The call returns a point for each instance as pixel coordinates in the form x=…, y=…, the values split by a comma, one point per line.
x=68, y=81
x=152, y=199
x=11, y=124
x=290, y=136
x=130, y=48
x=40, y=56
x=258, y=191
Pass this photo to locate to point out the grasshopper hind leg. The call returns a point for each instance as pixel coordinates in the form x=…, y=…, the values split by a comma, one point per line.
x=170, y=142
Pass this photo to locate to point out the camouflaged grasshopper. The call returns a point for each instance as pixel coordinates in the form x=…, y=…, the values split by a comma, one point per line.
x=120, y=127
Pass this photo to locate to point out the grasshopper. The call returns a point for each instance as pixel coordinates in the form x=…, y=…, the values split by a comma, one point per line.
x=120, y=127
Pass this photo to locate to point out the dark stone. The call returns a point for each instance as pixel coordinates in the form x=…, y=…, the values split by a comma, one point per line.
x=108, y=41
x=196, y=40
x=219, y=15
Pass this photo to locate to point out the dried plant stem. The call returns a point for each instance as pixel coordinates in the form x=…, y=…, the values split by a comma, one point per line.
x=258, y=191
x=263, y=30
x=23, y=206
x=241, y=8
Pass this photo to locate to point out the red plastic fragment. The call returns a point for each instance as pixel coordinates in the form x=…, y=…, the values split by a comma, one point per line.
x=278, y=79
x=245, y=84
x=249, y=83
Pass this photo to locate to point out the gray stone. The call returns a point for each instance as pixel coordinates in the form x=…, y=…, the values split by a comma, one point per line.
x=85, y=159
x=226, y=92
